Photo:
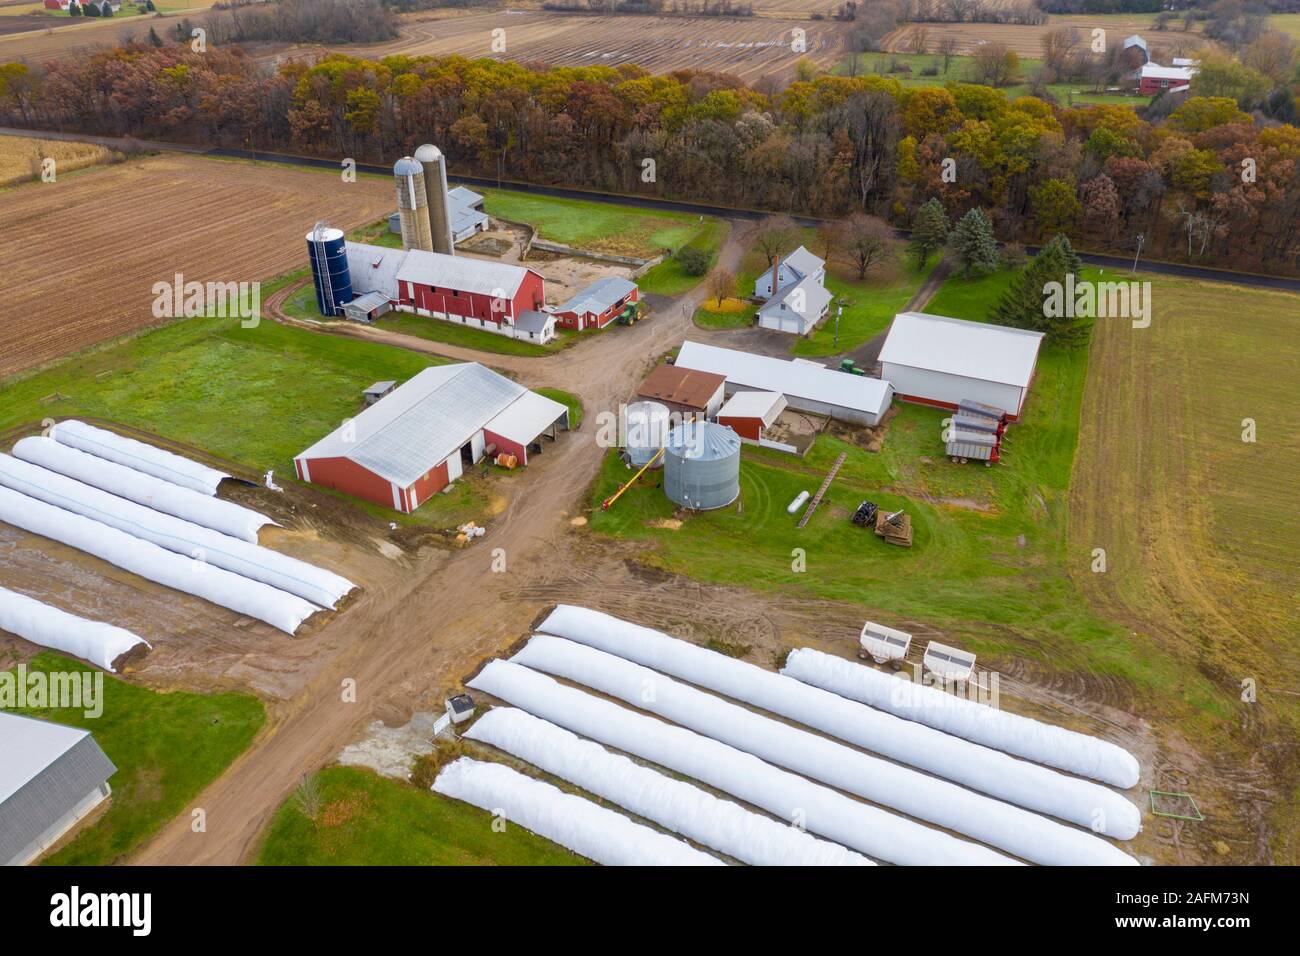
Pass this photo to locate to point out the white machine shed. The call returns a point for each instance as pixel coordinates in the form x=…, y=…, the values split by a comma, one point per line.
x=936, y=360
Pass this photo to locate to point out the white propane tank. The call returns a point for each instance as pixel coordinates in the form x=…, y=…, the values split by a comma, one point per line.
x=798, y=503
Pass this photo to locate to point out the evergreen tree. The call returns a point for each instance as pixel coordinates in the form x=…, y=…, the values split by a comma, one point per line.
x=74, y=9
x=1036, y=298
x=929, y=232
x=154, y=38
x=973, y=244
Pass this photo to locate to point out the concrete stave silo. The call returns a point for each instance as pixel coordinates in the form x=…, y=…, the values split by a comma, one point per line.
x=647, y=427
x=702, y=465
x=327, y=251
x=412, y=204
x=434, y=166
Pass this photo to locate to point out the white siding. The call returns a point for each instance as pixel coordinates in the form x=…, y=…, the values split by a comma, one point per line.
x=945, y=387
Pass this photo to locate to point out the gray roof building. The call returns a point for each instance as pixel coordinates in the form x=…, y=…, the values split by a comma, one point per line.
x=50, y=777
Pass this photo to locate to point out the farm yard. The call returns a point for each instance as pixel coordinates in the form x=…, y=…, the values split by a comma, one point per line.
x=146, y=220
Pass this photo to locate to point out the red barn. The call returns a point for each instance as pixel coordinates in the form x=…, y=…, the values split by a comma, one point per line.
x=749, y=413
x=598, y=305
x=420, y=437
x=472, y=291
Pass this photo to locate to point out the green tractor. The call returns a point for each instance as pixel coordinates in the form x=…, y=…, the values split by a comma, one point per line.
x=850, y=366
x=629, y=315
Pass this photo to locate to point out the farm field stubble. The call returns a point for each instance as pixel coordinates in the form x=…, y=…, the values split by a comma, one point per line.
x=1026, y=39
x=84, y=253
x=748, y=47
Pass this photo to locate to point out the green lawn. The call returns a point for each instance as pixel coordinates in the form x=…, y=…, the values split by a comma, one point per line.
x=568, y=399
x=166, y=747
x=364, y=819
x=1288, y=23
x=255, y=396
x=869, y=307
x=668, y=278
x=600, y=226
x=969, y=572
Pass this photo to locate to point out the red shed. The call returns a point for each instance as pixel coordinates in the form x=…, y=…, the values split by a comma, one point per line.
x=599, y=304
x=749, y=413
x=418, y=438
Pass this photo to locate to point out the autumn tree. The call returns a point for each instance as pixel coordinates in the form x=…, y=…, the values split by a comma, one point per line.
x=722, y=284
x=1102, y=210
x=973, y=245
x=1054, y=205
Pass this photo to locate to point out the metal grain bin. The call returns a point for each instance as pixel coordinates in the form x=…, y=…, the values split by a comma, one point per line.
x=702, y=465
x=648, y=424
x=328, y=252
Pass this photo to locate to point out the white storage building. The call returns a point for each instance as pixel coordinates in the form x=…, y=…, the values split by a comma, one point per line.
x=807, y=387
x=50, y=778
x=936, y=360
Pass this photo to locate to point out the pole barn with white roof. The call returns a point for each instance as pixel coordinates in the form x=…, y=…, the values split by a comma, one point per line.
x=936, y=360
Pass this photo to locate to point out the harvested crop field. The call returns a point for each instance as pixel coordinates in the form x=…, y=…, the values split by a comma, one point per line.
x=145, y=221
x=1199, y=528
x=35, y=39
x=21, y=158
x=1026, y=39
x=751, y=48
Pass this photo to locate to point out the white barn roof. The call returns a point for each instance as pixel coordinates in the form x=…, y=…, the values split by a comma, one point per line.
x=799, y=379
x=598, y=296
x=992, y=353
x=525, y=418
x=417, y=425
x=753, y=405
x=374, y=268
x=1155, y=71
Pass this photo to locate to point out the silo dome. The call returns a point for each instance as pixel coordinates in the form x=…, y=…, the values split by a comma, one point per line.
x=702, y=465
x=406, y=166
x=648, y=424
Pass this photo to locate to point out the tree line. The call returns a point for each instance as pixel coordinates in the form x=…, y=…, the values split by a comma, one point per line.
x=1205, y=182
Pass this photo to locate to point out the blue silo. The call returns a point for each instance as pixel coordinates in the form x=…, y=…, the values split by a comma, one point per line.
x=328, y=252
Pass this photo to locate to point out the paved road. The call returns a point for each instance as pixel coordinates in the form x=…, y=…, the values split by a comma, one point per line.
x=1119, y=263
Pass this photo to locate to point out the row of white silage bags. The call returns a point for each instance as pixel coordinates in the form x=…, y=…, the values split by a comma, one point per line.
x=251, y=561
x=180, y=502
x=877, y=833
x=93, y=641
x=972, y=720
x=592, y=831
x=1026, y=835
x=136, y=454
x=973, y=765
x=673, y=804
x=221, y=587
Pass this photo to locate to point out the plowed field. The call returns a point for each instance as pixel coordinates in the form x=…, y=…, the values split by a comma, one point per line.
x=82, y=255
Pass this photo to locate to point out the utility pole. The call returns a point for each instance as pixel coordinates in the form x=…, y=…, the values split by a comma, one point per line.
x=1141, y=236
x=838, y=310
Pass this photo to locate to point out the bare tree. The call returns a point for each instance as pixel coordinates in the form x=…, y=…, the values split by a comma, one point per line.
x=920, y=40
x=947, y=49
x=775, y=235
x=868, y=241
x=1058, y=46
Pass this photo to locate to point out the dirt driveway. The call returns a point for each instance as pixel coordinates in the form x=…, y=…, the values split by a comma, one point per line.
x=413, y=636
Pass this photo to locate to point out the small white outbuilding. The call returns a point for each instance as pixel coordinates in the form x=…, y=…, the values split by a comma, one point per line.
x=936, y=360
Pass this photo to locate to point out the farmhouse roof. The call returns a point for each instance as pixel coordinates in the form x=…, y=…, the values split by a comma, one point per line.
x=807, y=298
x=682, y=386
x=799, y=379
x=801, y=262
x=993, y=353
